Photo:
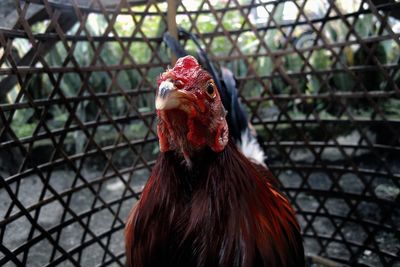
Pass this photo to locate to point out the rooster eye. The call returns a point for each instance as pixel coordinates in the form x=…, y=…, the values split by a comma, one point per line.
x=211, y=90
x=179, y=84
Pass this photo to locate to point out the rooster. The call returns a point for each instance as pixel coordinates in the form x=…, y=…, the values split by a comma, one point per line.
x=205, y=203
x=240, y=129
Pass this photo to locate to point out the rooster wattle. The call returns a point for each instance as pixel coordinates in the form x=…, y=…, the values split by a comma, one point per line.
x=205, y=204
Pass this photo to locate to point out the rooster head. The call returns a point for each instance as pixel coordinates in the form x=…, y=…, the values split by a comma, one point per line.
x=190, y=111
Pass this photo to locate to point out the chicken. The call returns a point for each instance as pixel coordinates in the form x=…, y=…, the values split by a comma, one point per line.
x=205, y=203
x=240, y=128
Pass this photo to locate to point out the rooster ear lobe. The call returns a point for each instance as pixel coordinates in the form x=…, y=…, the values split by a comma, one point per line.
x=221, y=136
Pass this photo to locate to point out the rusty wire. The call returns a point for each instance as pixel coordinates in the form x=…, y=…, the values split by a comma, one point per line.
x=79, y=161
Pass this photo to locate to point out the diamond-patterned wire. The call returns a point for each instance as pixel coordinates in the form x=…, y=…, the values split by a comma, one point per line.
x=110, y=171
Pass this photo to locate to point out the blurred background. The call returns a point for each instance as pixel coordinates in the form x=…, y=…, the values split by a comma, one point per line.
x=319, y=79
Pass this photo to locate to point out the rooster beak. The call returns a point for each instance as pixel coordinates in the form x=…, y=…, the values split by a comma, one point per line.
x=169, y=97
x=165, y=88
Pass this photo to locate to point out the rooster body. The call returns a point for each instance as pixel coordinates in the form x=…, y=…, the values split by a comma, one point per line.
x=205, y=203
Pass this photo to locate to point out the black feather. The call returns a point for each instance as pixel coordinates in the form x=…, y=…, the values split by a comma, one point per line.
x=174, y=45
x=237, y=120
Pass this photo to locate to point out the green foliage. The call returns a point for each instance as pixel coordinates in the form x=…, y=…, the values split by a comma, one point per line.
x=138, y=52
x=232, y=20
x=392, y=108
x=20, y=125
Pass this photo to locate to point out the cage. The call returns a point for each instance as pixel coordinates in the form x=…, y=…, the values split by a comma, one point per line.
x=319, y=80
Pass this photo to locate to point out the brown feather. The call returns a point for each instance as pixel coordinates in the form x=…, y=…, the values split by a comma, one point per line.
x=221, y=212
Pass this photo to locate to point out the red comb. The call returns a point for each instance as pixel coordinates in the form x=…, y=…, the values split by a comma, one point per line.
x=186, y=68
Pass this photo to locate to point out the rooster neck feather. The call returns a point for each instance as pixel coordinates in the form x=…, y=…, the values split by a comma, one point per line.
x=217, y=213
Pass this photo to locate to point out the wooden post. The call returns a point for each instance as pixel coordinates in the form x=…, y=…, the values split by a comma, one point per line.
x=172, y=28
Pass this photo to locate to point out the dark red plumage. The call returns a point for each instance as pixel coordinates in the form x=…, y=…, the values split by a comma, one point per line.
x=219, y=210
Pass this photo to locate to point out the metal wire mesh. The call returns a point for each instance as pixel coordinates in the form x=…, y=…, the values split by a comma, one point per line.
x=77, y=138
